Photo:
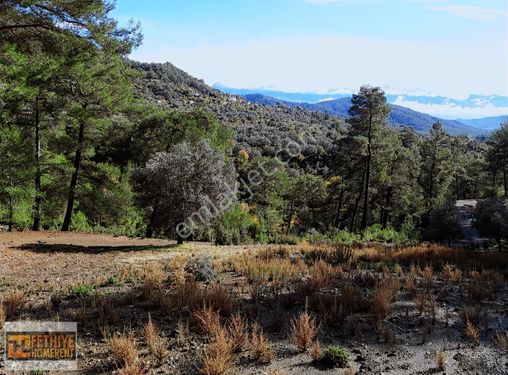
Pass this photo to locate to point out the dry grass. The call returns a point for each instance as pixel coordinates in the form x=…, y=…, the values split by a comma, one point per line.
x=209, y=321
x=133, y=369
x=220, y=298
x=303, y=331
x=381, y=301
x=427, y=274
x=218, y=357
x=321, y=276
x=153, y=277
x=484, y=285
x=452, y=273
x=106, y=314
x=124, y=350
x=351, y=370
x=411, y=284
x=237, y=329
x=14, y=301
x=260, y=345
x=186, y=294
x=271, y=273
x=502, y=341
x=182, y=333
x=315, y=352
x=472, y=333
x=437, y=256
x=441, y=360
x=155, y=342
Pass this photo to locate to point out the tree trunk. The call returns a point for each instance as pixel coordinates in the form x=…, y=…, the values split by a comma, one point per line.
x=386, y=210
x=11, y=215
x=505, y=181
x=357, y=203
x=288, y=227
x=38, y=198
x=179, y=239
x=150, y=226
x=339, y=208
x=365, y=216
x=457, y=195
x=74, y=179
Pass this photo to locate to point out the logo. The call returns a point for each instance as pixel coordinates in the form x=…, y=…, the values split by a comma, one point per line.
x=40, y=345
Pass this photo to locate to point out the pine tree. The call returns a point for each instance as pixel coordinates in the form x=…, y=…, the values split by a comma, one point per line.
x=436, y=169
x=367, y=116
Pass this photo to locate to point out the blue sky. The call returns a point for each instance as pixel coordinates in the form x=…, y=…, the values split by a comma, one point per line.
x=451, y=48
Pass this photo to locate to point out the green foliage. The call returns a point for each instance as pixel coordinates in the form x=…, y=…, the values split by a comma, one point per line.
x=377, y=233
x=374, y=233
x=491, y=218
x=114, y=280
x=335, y=356
x=82, y=290
x=443, y=224
x=80, y=222
x=69, y=118
x=343, y=236
x=236, y=226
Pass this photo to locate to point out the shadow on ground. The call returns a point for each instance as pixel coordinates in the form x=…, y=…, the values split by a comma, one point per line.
x=65, y=248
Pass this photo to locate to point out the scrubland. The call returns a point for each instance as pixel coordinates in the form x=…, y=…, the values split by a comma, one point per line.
x=147, y=306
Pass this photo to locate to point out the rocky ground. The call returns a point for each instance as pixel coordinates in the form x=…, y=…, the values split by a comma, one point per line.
x=50, y=266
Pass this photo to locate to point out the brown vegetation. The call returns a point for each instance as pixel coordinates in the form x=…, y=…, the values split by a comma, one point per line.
x=303, y=331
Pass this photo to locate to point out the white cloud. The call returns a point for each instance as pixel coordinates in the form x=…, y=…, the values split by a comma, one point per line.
x=324, y=64
x=473, y=12
x=451, y=110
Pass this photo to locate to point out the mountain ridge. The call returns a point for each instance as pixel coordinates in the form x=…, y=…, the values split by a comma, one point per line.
x=399, y=115
x=484, y=124
x=166, y=83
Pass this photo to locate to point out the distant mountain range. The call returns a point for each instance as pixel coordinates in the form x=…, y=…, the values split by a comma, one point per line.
x=399, y=116
x=421, y=122
x=487, y=123
x=167, y=85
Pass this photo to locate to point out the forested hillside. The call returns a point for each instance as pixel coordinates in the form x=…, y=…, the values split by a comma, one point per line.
x=420, y=122
x=92, y=141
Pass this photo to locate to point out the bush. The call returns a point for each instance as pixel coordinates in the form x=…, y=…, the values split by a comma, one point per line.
x=201, y=268
x=491, y=219
x=236, y=226
x=335, y=356
x=379, y=234
x=285, y=240
x=343, y=236
x=80, y=222
x=443, y=224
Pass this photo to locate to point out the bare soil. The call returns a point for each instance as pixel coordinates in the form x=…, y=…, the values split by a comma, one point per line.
x=50, y=264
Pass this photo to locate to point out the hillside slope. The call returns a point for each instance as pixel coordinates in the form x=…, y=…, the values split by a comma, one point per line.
x=260, y=129
x=170, y=86
x=487, y=123
x=421, y=122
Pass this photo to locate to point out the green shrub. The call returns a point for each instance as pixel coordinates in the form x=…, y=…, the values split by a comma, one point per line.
x=80, y=222
x=343, y=236
x=82, y=290
x=114, y=280
x=236, y=226
x=335, y=356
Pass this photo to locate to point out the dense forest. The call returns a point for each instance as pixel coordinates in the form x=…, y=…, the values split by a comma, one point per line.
x=91, y=141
